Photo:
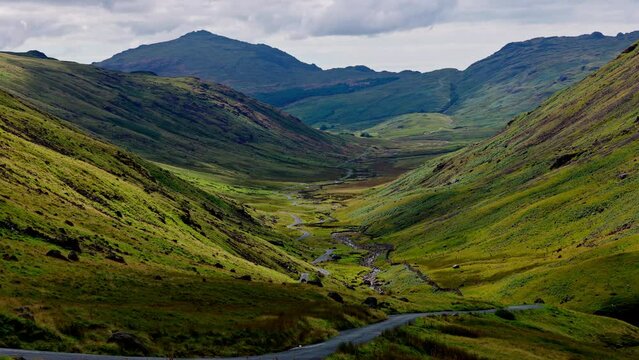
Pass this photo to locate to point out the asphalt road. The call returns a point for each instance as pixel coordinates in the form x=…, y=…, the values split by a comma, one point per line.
x=309, y=352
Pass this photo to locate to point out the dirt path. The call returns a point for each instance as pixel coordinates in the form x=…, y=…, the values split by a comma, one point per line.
x=374, y=252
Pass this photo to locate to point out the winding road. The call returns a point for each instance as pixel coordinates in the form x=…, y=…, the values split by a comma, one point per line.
x=309, y=352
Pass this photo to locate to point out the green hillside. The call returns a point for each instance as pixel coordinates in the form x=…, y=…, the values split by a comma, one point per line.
x=545, y=210
x=180, y=121
x=96, y=240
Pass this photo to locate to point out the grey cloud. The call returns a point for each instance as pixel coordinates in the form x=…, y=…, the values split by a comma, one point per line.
x=369, y=17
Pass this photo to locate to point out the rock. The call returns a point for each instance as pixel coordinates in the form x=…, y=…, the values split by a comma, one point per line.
x=245, y=277
x=335, y=296
x=7, y=257
x=622, y=176
x=73, y=256
x=304, y=277
x=115, y=257
x=27, y=316
x=24, y=312
x=539, y=301
x=370, y=302
x=456, y=266
x=128, y=342
x=56, y=254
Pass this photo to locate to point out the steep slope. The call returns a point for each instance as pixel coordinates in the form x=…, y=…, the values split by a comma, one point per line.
x=489, y=93
x=96, y=241
x=546, y=209
x=521, y=75
x=180, y=121
x=252, y=68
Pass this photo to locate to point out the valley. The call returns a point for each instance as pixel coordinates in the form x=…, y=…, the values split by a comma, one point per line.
x=479, y=214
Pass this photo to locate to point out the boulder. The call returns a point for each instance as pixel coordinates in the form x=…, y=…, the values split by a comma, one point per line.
x=456, y=266
x=128, y=342
x=73, y=256
x=7, y=257
x=335, y=296
x=56, y=254
x=115, y=257
x=370, y=302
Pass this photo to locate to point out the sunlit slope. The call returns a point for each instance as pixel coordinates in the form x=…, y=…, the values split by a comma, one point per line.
x=546, y=209
x=77, y=193
x=94, y=240
x=180, y=121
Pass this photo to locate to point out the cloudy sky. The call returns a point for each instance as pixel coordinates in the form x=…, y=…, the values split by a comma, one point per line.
x=383, y=34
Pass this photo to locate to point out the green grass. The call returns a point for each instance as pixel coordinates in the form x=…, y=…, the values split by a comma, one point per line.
x=410, y=125
x=549, y=334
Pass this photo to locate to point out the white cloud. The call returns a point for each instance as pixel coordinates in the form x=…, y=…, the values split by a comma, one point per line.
x=383, y=34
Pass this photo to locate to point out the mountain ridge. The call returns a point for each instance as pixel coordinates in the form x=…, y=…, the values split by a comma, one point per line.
x=179, y=121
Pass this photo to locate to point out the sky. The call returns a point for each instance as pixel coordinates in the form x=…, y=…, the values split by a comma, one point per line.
x=393, y=35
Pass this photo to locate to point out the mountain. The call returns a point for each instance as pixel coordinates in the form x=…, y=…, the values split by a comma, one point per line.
x=490, y=92
x=178, y=121
x=487, y=94
x=254, y=69
x=547, y=209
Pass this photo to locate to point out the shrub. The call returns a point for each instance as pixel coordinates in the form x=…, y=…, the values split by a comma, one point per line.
x=457, y=330
x=505, y=314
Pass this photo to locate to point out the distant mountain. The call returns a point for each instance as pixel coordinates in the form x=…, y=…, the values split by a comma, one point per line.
x=178, y=121
x=547, y=209
x=487, y=94
x=254, y=69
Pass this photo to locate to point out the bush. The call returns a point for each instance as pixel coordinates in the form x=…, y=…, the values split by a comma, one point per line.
x=457, y=330
x=429, y=347
x=505, y=314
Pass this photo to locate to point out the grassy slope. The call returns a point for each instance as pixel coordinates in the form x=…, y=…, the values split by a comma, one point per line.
x=540, y=334
x=522, y=223
x=411, y=125
x=487, y=94
x=62, y=190
x=522, y=75
x=413, y=92
x=180, y=121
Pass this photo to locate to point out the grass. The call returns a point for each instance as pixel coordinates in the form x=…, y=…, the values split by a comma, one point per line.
x=548, y=333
